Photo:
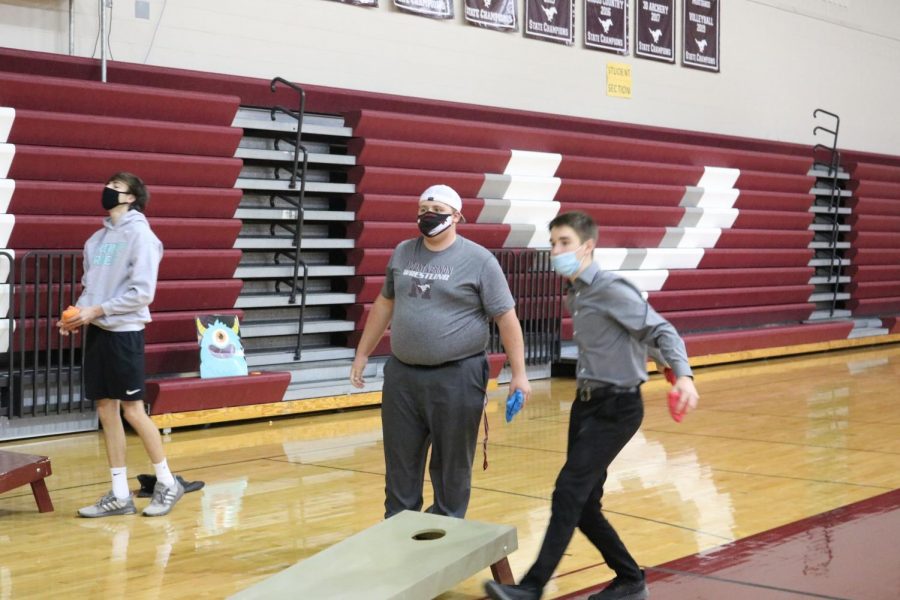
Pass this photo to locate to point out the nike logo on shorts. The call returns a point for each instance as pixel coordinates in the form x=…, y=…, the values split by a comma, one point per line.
x=132, y=392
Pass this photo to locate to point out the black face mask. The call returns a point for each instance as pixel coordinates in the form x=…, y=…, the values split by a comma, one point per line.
x=110, y=198
x=432, y=223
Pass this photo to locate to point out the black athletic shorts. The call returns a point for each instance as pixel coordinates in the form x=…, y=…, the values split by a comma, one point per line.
x=113, y=364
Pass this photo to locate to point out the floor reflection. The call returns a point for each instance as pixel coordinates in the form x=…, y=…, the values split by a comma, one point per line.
x=220, y=506
x=700, y=505
x=339, y=446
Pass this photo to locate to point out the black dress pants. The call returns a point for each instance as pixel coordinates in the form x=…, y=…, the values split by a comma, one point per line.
x=598, y=430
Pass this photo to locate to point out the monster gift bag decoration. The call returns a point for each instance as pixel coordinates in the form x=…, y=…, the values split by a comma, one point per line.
x=221, y=351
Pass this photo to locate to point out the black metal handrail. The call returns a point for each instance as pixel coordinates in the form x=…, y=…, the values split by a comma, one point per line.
x=834, y=155
x=833, y=159
x=298, y=349
x=296, y=171
x=52, y=357
x=837, y=123
x=296, y=115
x=834, y=203
x=6, y=401
x=298, y=237
x=833, y=166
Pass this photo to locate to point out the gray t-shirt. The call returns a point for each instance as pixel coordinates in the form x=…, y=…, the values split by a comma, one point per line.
x=443, y=300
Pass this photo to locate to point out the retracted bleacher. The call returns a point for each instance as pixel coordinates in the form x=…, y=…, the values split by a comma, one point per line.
x=723, y=234
x=62, y=140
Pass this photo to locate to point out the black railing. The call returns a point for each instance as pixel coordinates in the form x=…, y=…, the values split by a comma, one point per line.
x=45, y=368
x=298, y=171
x=538, y=293
x=301, y=110
x=7, y=262
x=832, y=164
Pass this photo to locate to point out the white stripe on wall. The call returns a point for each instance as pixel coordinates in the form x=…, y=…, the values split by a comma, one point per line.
x=4, y=300
x=535, y=212
x=4, y=335
x=690, y=237
x=534, y=164
x=526, y=235
x=613, y=259
x=722, y=218
x=7, y=222
x=519, y=187
x=640, y=259
x=709, y=208
x=707, y=198
x=5, y=263
x=672, y=258
x=7, y=188
x=7, y=117
x=718, y=177
x=648, y=280
x=7, y=152
x=523, y=198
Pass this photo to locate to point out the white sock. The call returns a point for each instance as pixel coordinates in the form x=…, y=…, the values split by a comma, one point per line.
x=164, y=474
x=120, y=482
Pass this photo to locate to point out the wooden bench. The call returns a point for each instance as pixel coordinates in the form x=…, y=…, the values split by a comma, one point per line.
x=410, y=556
x=18, y=469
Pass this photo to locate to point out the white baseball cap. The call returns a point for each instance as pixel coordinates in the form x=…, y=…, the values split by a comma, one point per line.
x=445, y=195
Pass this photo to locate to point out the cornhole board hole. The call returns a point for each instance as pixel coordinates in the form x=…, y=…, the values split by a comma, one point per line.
x=411, y=556
x=18, y=469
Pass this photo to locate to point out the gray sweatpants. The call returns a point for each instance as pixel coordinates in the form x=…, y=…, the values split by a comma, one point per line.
x=437, y=406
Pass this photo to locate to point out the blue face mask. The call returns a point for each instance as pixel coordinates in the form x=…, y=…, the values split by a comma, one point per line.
x=566, y=263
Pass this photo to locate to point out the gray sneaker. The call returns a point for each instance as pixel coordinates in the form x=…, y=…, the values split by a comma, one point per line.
x=108, y=506
x=164, y=498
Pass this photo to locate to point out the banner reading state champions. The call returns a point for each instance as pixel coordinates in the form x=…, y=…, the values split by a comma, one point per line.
x=492, y=14
x=436, y=9
x=700, y=34
x=550, y=20
x=654, y=31
x=606, y=25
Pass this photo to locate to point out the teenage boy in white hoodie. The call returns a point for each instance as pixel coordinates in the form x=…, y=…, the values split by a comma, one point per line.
x=121, y=262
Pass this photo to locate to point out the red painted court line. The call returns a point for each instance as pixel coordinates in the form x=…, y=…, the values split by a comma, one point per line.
x=852, y=552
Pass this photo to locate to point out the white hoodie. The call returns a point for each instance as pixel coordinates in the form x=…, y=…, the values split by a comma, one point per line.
x=121, y=263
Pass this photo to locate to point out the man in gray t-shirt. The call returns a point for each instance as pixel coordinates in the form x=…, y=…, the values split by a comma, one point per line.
x=440, y=293
x=443, y=300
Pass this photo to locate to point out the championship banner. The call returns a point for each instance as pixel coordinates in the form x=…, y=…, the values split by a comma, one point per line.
x=654, y=31
x=551, y=20
x=367, y=3
x=492, y=14
x=700, y=34
x=606, y=25
x=436, y=9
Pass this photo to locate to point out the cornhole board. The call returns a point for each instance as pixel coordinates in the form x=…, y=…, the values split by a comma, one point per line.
x=18, y=469
x=411, y=556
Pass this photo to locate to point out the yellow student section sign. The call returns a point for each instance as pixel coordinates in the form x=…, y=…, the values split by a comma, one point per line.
x=618, y=80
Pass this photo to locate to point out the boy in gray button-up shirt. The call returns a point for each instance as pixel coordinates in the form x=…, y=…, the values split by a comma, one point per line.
x=614, y=328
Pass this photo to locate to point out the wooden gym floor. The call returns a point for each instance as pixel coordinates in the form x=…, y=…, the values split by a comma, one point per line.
x=775, y=444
